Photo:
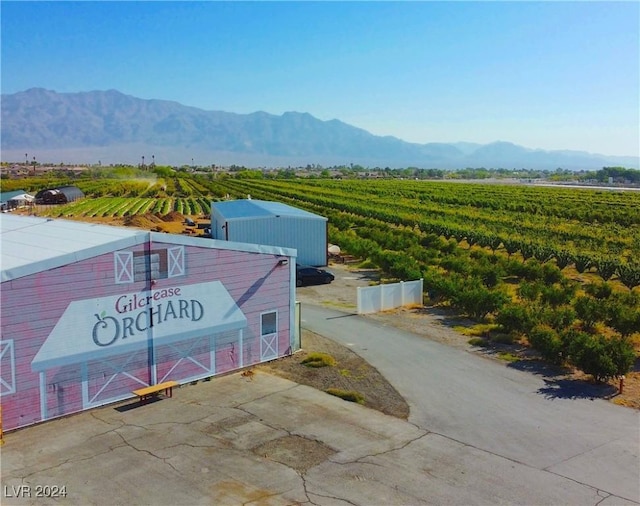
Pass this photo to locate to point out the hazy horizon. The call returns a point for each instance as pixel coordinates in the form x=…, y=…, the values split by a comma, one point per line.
x=543, y=75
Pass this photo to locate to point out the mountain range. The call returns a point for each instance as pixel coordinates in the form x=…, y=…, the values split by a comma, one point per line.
x=111, y=127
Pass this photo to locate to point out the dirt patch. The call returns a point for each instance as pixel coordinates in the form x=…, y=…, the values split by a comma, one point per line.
x=351, y=373
x=296, y=452
x=172, y=216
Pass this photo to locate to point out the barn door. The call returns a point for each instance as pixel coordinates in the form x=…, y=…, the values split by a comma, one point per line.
x=268, y=336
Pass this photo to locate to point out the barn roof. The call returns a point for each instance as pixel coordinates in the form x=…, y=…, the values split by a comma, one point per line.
x=249, y=208
x=32, y=244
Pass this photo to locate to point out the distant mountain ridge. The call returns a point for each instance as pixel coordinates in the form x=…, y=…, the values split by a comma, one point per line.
x=116, y=128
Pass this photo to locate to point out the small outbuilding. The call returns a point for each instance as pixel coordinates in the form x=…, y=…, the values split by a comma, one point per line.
x=274, y=224
x=61, y=195
x=15, y=200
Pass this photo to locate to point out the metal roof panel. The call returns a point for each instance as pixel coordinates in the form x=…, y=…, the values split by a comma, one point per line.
x=31, y=244
x=249, y=208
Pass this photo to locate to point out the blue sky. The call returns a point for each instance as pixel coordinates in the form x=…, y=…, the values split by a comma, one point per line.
x=549, y=75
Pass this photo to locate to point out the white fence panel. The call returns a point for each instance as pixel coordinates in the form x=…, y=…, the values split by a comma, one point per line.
x=413, y=292
x=372, y=299
x=368, y=299
x=391, y=296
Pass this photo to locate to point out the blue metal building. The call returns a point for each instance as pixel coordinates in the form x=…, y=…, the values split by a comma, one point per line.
x=272, y=224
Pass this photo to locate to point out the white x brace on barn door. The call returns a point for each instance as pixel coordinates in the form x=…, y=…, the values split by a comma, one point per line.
x=268, y=335
x=130, y=266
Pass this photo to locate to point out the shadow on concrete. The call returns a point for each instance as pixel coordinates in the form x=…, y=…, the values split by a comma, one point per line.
x=368, y=274
x=445, y=316
x=137, y=404
x=576, y=389
x=559, y=386
x=540, y=368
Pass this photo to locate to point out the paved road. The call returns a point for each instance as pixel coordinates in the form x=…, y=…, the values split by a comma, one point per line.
x=495, y=408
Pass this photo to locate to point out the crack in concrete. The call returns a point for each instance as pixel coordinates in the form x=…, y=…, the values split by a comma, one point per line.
x=67, y=461
x=121, y=424
x=545, y=470
x=603, y=497
x=164, y=460
x=304, y=487
x=578, y=454
x=360, y=460
x=238, y=406
x=347, y=501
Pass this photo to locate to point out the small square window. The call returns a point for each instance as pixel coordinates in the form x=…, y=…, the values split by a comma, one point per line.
x=269, y=323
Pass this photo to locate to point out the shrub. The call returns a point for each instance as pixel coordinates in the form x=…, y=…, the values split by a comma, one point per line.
x=629, y=274
x=599, y=290
x=530, y=270
x=557, y=294
x=590, y=311
x=606, y=267
x=623, y=355
x=582, y=262
x=529, y=291
x=317, y=359
x=490, y=275
x=598, y=356
x=551, y=274
x=347, y=395
x=515, y=318
x=563, y=258
x=477, y=301
x=558, y=318
x=478, y=341
x=547, y=342
x=501, y=338
x=622, y=318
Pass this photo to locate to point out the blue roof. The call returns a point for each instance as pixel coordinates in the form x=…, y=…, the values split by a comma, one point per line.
x=7, y=196
x=235, y=209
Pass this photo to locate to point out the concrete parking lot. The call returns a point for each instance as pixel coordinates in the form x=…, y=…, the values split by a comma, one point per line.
x=262, y=440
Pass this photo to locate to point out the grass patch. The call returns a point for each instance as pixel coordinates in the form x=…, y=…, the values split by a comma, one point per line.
x=508, y=357
x=367, y=264
x=347, y=395
x=478, y=341
x=502, y=338
x=477, y=330
x=342, y=305
x=465, y=331
x=317, y=359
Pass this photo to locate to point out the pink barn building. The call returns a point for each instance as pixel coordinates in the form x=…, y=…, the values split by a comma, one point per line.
x=92, y=312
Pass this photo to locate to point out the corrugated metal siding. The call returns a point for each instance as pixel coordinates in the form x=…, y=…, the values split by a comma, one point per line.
x=247, y=221
x=306, y=235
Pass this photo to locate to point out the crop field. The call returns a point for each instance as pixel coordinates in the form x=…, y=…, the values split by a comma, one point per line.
x=555, y=268
x=589, y=229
